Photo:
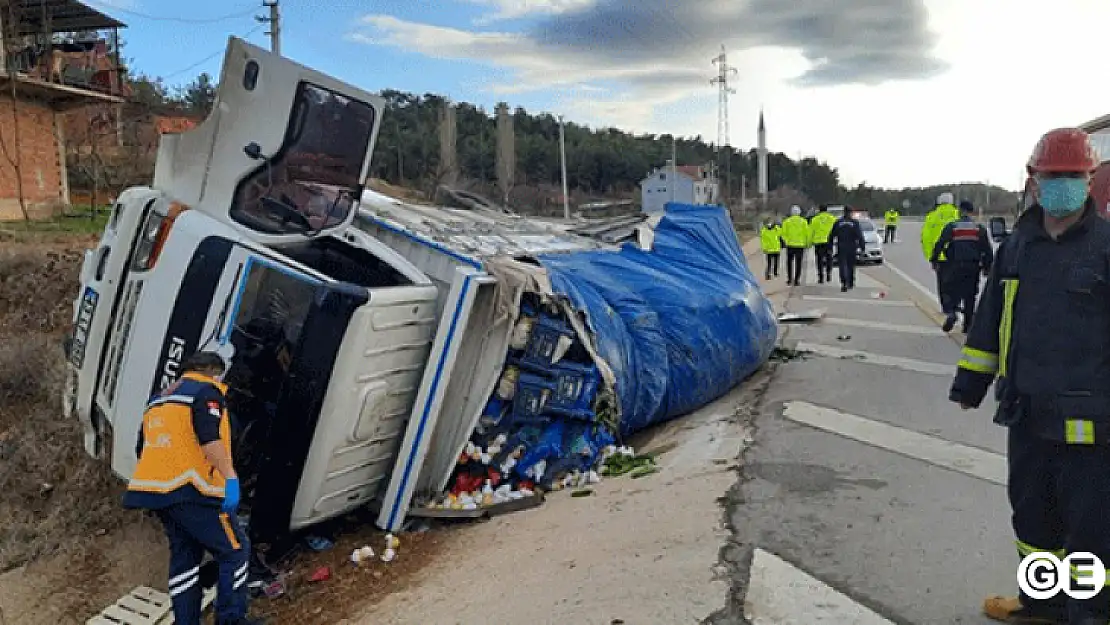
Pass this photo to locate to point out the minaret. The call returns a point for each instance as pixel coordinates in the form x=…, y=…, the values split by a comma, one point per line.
x=762, y=153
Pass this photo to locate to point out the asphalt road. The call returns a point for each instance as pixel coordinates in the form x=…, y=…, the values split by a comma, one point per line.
x=867, y=496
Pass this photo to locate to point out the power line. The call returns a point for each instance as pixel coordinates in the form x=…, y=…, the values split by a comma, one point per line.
x=181, y=20
x=210, y=56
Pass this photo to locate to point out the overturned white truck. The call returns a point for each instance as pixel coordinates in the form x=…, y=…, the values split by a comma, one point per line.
x=368, y=337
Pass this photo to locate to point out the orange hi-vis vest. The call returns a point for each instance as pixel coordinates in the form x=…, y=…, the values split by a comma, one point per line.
x=172, y=467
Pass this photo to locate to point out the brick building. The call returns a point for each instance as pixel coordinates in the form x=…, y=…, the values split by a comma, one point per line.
x=52, y=72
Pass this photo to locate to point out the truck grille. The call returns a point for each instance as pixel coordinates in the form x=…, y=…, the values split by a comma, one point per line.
x=120, y=335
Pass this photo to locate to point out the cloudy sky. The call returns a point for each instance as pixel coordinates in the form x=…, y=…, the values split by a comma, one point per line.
x=891, y=92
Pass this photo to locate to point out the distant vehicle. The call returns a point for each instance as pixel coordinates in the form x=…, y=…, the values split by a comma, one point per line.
x=998, y=229
x=872, y=241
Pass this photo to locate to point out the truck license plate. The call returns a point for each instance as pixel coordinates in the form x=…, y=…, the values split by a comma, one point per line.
x=81, y=328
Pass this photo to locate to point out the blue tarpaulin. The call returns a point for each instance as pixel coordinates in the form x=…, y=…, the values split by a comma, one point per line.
x=679, y=325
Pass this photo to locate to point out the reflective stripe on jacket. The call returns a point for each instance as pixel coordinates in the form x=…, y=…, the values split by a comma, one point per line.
x=892, y=218
x=172, y=467
x=769, y=240
x=820, y=229
x=795, y=231
x=1043, y=329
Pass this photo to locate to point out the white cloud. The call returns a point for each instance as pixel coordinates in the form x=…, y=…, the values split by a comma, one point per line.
x=515, y=9
x=885, y=112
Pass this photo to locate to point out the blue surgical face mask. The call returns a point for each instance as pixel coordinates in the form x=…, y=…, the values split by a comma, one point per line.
x=1061, y=197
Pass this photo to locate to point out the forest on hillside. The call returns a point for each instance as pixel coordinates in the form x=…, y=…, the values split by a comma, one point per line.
x=602, y=163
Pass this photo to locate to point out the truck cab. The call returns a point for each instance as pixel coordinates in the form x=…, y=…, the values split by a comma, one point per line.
x=243, y=245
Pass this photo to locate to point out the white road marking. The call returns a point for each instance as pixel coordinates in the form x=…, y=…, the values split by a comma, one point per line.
x=908, y=364
x=871, y=302
x=892, y=327
x=781, y=594
x=927, y=292
x=972, y=461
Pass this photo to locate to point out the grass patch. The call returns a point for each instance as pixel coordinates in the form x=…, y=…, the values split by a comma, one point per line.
x=80, y=224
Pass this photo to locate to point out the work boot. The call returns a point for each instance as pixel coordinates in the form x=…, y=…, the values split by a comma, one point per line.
x=949, y=322
x=844, y=288
x=1010, y=610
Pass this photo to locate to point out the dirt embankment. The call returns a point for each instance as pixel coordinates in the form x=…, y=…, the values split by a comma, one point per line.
x=67, y=547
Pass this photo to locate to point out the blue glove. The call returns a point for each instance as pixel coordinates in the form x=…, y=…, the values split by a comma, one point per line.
x=231, y=496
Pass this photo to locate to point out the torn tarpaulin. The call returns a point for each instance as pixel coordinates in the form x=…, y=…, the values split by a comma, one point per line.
x=679, y=325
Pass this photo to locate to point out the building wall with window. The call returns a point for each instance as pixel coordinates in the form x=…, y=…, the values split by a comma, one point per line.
x=690, y=187
x=42, y=165
x=655, y=190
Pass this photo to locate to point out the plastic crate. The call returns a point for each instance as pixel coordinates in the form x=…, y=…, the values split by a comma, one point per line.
x=546, y=333
x=533, y=392
x=575, y=389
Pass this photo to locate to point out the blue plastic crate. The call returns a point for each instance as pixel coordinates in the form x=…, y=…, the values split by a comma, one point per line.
x=546, y=333
x=575, y=389
x=533, y=392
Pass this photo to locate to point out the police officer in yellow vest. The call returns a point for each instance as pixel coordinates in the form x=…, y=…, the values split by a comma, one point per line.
x=820, y=229
x=795, y=233
x=186, y=476
x=770, y=240
x=892, y=219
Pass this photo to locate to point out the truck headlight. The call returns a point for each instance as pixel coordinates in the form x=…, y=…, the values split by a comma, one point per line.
x=156, y=228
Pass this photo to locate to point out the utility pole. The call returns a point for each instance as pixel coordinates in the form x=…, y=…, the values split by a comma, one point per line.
x=275, y=25
x=988, y=202
x=674, y=167
x=723, y=74
x=563, y=158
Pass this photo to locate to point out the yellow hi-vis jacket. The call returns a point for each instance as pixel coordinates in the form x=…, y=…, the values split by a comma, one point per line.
x=892, y=217
x=795, y=231
x=820, y=229
x=172, y=466
x=770, y=239
x=935, y=222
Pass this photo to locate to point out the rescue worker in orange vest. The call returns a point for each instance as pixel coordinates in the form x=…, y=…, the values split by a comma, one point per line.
x=1042, y=335
x=968, y=248
x=186, y=476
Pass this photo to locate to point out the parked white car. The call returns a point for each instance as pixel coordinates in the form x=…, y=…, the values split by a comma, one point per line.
x=872, y=241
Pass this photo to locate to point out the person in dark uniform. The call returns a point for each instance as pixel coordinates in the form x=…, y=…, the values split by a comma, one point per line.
x=1043, y=330
x=186, y=476
x=967, y=246
x=847, y=236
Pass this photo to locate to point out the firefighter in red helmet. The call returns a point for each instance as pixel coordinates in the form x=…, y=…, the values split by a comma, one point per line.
x=1041, y=336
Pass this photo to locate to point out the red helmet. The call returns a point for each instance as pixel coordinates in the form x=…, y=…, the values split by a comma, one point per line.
x=1064, y=150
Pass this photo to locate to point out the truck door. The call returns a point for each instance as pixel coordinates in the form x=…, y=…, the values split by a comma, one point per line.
x=323, y=378
x=378, y=369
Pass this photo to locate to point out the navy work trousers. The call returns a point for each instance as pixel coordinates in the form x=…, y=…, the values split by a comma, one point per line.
x=959, y=288
x=1060, y=497
x=193, y=529
x=846, y=259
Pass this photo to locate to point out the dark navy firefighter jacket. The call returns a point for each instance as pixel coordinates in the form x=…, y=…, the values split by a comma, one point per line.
x=1043, y=329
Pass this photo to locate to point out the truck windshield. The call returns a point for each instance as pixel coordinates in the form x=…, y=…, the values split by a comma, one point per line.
x=317, y=173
